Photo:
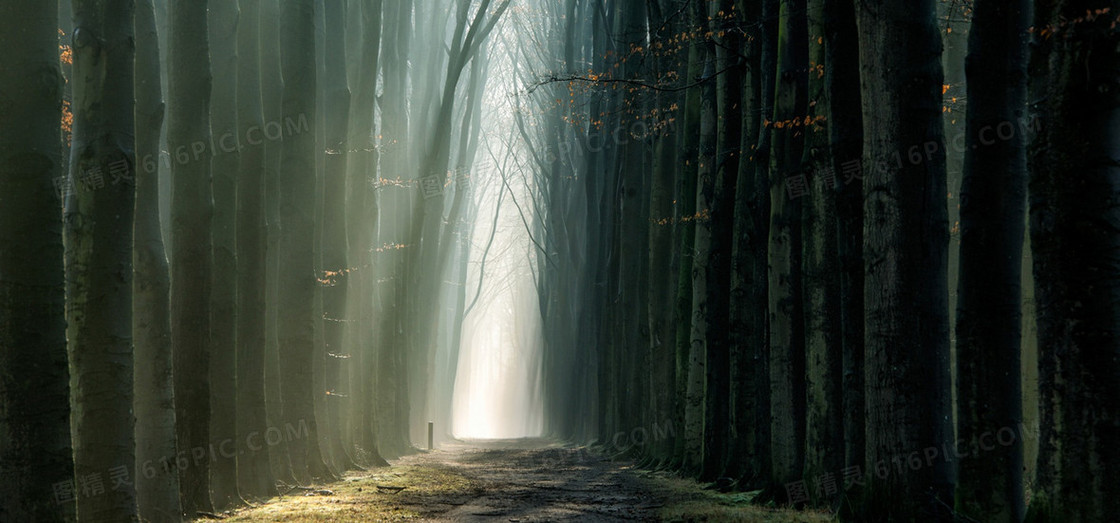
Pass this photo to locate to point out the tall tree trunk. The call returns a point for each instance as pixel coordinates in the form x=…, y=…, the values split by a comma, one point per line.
x=787, y=328
x=824, y=428
x=392, y=384
x=905, y=244
x=362, y=208
x=989, y=294
x=689, y=143
x=224, y=164
x=254, y=473
x=701, y=328
x=632, y=203
x=845, y=127
x=35, y=454
x=662, y=281
x=729, y=137
x=297, y=231
x=98, y=234
x=272, y=93
x=157, y=482
x=749, y=308
x=188, y=133
x=1074, y=241
x=334, y=227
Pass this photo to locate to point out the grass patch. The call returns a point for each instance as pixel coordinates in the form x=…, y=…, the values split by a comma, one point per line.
x=686, y=500
x=428, y=489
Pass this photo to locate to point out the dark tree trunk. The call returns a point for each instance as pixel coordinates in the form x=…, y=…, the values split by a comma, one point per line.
x=1074, y=241
x=224, y=165
x=689, y=144
x=845, y=123
x=254, y=473
x=98, y=216
x=824, y=427
x=35, y=453
x=188, y=133
x=749, y=309
x=989, y=293
x=662, y=284
x=729, y=137
x=272, y=93
x=157, y=482
x=701, y=327
x=297, y=232
x=905, y=261
x=787, y=328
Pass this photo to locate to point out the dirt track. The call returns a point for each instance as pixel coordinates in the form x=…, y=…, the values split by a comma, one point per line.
x=534, y=480
x=529, y=480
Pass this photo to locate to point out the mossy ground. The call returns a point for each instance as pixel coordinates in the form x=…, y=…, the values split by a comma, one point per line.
x=358, y=498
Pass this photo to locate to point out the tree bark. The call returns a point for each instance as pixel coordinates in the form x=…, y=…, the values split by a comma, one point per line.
x=729, y=137
x=1073, y=219
x=787, y=328
x=157, y=482
x=297, y=231
x=188, y=133
x=905, y=244
x=749, y=308
x=701, y=328
x=989, y=293
x=98, y=236
x=334, y=227
x=224, y=165
x=272, y=92
x=824, y=428
x=255, y=478
x=35, y=453
x=845, y=126
x=362, y=209
x=662, y=284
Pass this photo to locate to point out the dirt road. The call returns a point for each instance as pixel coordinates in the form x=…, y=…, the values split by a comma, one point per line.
x=533, y=480
x=527, y=480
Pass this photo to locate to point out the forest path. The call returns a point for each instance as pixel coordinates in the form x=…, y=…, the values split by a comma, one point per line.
x=539, y=480
x=525, y=480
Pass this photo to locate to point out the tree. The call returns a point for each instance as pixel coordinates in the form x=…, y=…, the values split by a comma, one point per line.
x=157, y=481
x=253, y=470
x=845, y=126
x=188, y=133
x=365, y=416
x=824, y=428
x=334, y=226
x=98, y=237
x=989, y=295
x=631, y=208
x=272, y=93
x=391, y=414
x=426, y=263
x=694, y=415
x=35, y=453
x=749, y=306
x=224, y=164
x=1073, y=238
x=297, y=232
x=729, y=138
x=787, y=327
x=905, y=261
x=662, y=225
